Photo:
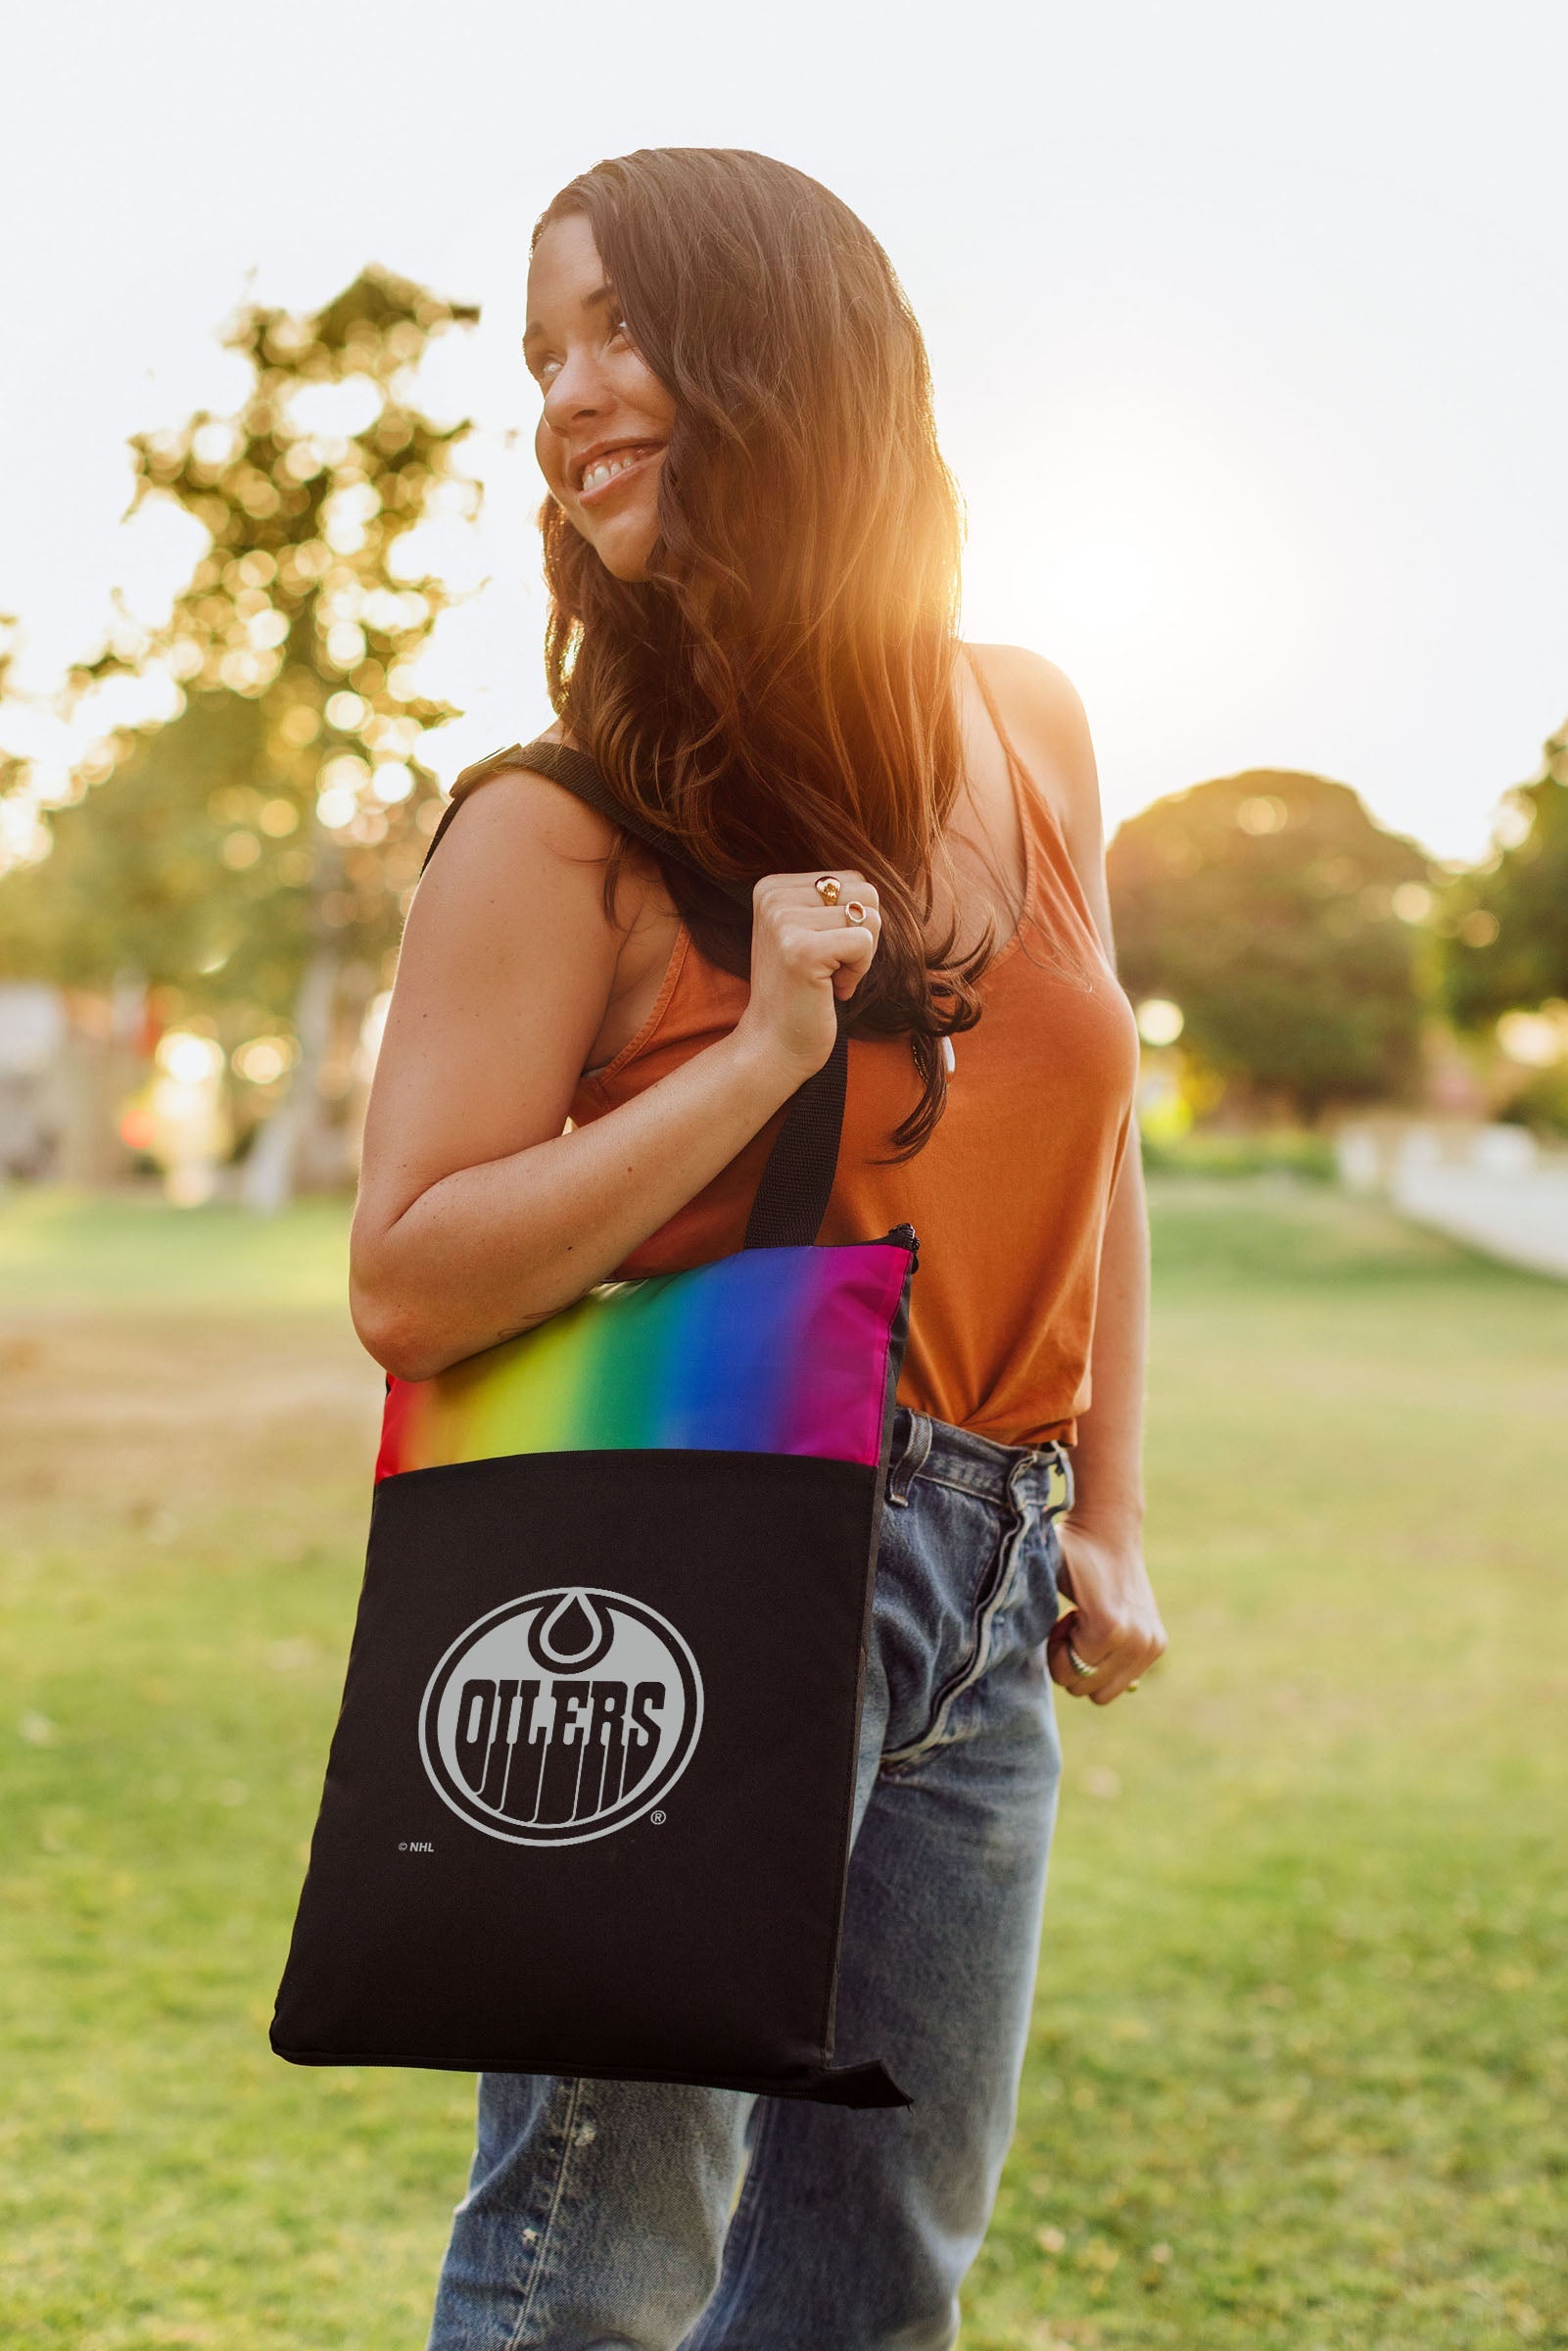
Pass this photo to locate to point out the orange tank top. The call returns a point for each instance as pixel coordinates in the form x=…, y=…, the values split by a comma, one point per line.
x=1009, y=1196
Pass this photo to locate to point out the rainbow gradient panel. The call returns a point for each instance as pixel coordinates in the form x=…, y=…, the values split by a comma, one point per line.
x=768, y=1351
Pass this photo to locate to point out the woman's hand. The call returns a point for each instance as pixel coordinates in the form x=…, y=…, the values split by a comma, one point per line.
x=805, y=955
x=1114, y=1623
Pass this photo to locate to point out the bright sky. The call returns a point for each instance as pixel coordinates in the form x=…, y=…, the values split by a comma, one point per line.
x=1249, y=323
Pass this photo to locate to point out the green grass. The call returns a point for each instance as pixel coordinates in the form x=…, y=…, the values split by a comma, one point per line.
x=1298, y=2077
x=63, y=1248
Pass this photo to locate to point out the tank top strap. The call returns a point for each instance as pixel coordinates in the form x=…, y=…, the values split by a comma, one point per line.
x=1033, y=804
x=1053, y=886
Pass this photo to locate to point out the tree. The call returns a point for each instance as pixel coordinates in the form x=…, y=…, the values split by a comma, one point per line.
x=252, y=858
x=20, y=828
x=1267, y=906
x=1505, y=924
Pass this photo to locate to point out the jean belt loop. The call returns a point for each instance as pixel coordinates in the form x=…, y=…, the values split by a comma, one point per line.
x=1056, y=1462
x=1018, y=1476
x=912, y=1461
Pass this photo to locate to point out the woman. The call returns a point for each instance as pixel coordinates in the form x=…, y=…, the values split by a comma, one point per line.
x=751, y=547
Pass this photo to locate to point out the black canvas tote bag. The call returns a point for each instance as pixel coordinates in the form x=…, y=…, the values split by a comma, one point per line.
x=587, y=1804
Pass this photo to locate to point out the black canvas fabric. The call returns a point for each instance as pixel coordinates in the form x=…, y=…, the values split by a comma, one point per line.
x=697, y=1943
x=682, y=1926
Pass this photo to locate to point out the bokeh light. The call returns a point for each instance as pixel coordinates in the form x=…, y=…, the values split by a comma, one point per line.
x=263, y=1060
x=1536, y=1040
x=189, y=1059
x=1160, y=1022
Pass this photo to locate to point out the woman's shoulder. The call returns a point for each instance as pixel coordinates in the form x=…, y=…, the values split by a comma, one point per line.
x=513, y=764
x=511, y=842
x=522, y=862
x=503, y=807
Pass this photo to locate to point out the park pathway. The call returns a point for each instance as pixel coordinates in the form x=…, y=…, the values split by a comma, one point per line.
x=1520, y=1214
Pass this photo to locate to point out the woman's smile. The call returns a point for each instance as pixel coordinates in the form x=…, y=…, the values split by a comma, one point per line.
x=599, y=472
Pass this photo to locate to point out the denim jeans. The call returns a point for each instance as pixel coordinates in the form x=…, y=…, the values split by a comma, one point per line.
x=649, y=2216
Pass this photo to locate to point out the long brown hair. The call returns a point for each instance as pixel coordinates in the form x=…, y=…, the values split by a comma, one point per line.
x=778, y=693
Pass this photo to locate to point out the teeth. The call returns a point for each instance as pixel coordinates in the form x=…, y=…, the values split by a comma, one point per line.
x=605, y=470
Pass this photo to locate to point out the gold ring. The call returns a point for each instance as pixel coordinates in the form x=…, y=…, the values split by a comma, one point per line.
x=1078, y=1664
x=827, y=886
x=854, y=911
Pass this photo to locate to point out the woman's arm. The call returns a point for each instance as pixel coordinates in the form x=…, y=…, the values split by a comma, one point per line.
x=477, y=1216
x=1117, y=1618
x=1116, y=1622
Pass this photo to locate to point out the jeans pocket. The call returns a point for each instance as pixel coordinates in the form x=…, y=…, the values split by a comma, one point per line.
x=938, y=1560
x=969, y=1597
x=1034, y=1600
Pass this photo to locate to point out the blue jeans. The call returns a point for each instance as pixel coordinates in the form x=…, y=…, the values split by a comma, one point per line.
x=607, y=2213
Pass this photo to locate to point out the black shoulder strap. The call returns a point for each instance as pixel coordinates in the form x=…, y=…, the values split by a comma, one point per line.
x=792, y=1195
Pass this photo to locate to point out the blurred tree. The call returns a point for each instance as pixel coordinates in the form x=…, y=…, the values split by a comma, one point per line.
x=251, y=856
x=1505, y=924
x=19, y=828
x=1278, y=917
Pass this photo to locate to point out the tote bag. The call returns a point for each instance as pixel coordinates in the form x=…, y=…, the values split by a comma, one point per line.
x=587, y=1802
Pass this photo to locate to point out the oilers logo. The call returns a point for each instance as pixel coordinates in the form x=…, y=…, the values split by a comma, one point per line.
x=560, y=1716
